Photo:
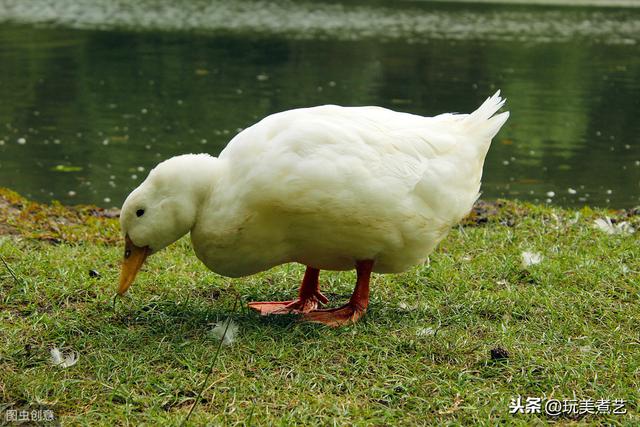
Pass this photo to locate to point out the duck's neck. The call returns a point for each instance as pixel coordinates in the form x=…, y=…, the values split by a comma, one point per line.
x=189, y=180
x=203, y=174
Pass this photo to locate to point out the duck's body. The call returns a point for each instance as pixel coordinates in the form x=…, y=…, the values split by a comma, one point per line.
x=327, y=187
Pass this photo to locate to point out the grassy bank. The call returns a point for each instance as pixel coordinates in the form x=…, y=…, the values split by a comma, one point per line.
x=421, y=356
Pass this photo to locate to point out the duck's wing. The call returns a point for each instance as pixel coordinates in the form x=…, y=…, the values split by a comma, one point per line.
x=322, y=156
x=327, y=152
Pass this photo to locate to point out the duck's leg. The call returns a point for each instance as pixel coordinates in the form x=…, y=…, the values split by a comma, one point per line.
x=355, y=308
x=309, y=297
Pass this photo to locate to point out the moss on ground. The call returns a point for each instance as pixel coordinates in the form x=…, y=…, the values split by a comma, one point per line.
x=451, y=342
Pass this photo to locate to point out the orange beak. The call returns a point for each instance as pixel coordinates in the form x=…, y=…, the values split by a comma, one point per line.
x=134, y=257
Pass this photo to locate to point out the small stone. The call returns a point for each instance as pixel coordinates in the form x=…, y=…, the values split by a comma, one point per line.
x=499, y=353
x=94, y=273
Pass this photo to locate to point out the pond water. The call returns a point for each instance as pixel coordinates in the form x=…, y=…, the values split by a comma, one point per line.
x=94, y=94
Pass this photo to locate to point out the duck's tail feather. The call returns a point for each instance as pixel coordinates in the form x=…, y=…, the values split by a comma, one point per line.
x=483, y=120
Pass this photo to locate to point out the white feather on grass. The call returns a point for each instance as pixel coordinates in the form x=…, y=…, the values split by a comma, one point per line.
x=531, y=258
x=605, y=225
x=60, y=359
x=425, y=332
x=403, y=306
x=230, y=336
x=575, y=218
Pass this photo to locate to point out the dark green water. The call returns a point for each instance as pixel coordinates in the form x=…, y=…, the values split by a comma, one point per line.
x=85, y=113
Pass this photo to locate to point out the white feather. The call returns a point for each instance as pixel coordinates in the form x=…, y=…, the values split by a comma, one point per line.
x=426, y=332
x=531, y=258
x=605, y=225
x=59, y=359
x=231, y=332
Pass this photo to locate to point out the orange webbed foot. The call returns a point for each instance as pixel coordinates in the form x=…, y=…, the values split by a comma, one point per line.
x=266, y=308
x=335, y=317
x=301, y=305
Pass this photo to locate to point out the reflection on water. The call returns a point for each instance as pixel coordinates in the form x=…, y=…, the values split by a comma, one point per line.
x=84, y=114
x=412, y=21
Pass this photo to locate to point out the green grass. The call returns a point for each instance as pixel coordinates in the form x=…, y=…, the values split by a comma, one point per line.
x=571, y=326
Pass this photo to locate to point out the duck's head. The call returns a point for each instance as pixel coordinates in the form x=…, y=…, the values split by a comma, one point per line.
x=161, y=210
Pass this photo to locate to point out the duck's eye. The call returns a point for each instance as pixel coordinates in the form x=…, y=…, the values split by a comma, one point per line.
x=127, y=253
x=140, y=212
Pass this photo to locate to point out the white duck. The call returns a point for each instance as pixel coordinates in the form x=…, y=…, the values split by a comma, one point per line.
x=330, y=187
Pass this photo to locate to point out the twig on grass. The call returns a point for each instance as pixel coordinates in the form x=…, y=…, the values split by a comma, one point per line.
x=18, y=281
x=213, y=363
